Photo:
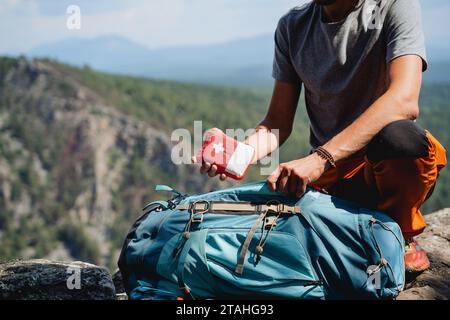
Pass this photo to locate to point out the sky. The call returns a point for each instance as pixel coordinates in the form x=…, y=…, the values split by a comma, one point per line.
x=25, y=24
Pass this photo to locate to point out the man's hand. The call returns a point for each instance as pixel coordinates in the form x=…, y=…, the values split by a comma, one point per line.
x=209, y=169
x=293, y=177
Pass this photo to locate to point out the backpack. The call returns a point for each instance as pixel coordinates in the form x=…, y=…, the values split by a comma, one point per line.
x=247, y=242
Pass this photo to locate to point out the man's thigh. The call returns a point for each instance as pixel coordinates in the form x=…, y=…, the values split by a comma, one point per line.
x=404, y=148
x=349, y=181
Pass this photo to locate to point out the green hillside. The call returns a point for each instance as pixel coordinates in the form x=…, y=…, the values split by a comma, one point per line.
x=80, y=152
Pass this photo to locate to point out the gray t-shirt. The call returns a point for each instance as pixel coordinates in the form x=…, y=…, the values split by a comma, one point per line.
x=343, y=65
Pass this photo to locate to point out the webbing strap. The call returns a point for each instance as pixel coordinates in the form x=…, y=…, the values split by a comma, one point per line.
x=240, y=266
x=182, y=264
x=214, y=206
x=383, y=262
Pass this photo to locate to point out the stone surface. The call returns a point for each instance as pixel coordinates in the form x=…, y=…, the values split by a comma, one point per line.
x=433, y=284
x=118, y=282
x=49, y=280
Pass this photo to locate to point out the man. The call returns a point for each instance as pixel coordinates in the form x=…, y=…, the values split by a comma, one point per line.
x=360, y=63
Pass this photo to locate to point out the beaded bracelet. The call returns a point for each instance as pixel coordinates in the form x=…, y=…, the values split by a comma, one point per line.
x=324, y=154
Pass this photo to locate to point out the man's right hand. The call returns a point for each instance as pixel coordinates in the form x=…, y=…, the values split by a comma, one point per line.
x=208, y=168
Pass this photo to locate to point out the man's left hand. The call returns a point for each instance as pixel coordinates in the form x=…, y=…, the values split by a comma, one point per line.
x=293, y=177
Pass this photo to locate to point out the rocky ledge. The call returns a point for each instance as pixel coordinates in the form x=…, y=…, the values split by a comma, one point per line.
x=433, y=284
x=49, y=280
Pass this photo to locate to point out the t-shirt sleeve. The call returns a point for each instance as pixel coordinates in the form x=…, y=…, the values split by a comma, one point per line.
x=283, y=68
x=404, y=31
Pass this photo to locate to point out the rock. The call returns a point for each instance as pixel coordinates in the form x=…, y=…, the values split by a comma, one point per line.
x=49, y=280
x=118, y=282
x=433, y=284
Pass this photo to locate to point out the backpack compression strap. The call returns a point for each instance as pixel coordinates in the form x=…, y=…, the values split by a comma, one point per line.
x=203, y=206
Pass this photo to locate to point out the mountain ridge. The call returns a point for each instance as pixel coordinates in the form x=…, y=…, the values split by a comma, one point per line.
x=195, y=63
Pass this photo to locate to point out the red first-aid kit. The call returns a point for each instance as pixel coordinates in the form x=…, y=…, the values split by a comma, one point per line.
x=232, y=158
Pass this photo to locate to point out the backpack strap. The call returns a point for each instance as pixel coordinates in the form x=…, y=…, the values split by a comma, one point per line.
x=193, y=238
x=240, y=265
x=237, y=207
x=271, y=207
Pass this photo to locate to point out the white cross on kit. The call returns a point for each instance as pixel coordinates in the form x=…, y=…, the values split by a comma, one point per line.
x=218, y=147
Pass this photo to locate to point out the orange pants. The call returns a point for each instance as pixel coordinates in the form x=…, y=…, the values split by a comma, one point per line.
x=396, y=186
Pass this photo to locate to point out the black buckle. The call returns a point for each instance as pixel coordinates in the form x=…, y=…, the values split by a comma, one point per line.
x=171, y=204
x=277, y=208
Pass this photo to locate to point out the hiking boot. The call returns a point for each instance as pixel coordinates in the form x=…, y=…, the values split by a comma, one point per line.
x=416, y=259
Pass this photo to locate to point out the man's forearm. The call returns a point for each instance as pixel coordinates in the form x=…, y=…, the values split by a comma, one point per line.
x=388, y=108
x=265, y=140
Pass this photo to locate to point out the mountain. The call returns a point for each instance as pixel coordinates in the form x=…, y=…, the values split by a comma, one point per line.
x=108, y=53
x=242, y=62
x=237, y=62
x=80, y=152
x=438, y=52
x=438, y=72
x=439, y=64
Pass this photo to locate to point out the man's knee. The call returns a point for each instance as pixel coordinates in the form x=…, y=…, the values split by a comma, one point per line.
x=400, y=139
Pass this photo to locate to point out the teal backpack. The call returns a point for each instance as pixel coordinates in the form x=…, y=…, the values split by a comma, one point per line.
x=247, y=242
